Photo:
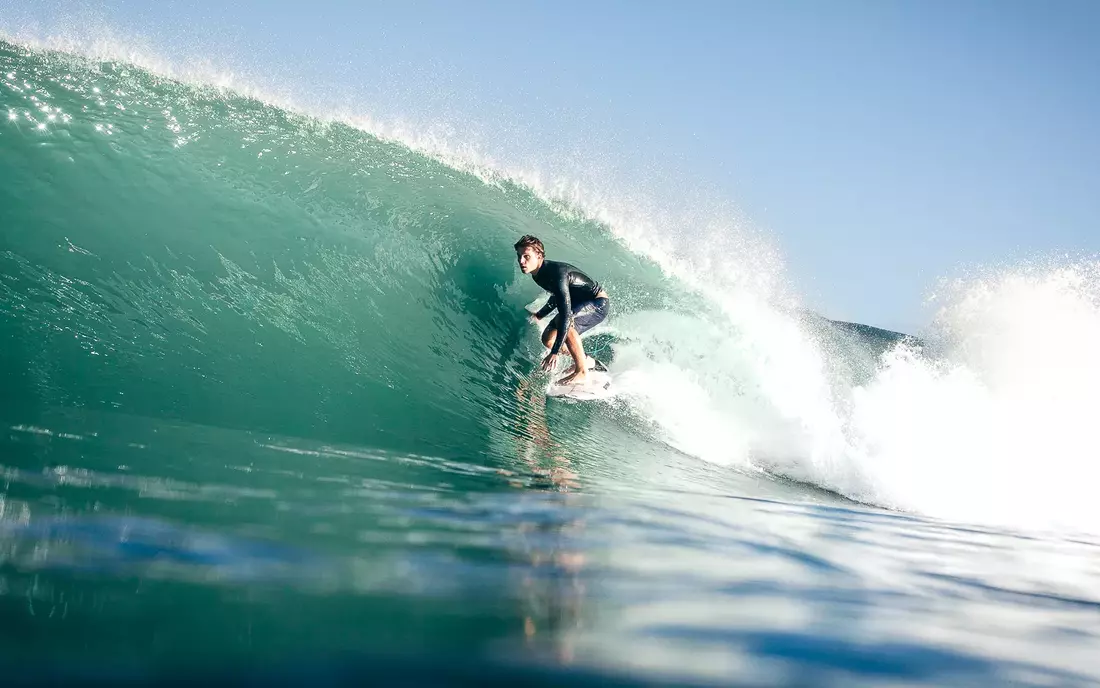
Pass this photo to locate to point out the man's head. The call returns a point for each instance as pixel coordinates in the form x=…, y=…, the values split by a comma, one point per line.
x=529, y=254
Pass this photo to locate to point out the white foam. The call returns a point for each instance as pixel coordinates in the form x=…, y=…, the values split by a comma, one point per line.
x=1000, y=426
x=994, y=423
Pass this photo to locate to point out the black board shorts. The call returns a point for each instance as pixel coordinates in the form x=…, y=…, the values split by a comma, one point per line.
x=588, y=314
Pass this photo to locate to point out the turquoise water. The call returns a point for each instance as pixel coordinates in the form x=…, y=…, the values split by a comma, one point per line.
x=269, y=406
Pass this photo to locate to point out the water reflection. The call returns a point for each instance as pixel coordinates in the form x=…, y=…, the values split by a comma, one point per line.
x=552, y=586
x=535, y=446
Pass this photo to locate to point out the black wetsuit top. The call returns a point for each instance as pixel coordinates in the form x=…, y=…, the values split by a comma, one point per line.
x=568, y=286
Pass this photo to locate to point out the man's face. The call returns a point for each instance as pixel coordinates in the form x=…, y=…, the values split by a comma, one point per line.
x=529, y=260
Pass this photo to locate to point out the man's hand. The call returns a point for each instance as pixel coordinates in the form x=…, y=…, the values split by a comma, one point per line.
x=549, y=361
x=533, y=318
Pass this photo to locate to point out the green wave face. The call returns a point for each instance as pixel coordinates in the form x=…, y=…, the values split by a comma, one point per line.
x=181, y=253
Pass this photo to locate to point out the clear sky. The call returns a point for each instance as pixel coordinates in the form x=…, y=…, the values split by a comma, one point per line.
x=884, y=144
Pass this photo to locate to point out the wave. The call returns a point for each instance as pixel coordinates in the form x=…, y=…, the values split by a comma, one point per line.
x=223, y=256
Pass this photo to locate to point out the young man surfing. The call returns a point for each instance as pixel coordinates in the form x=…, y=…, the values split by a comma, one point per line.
x=581, y=303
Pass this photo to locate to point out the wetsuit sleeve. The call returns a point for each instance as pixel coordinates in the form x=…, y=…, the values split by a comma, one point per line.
x=550, y=305
x=565, y=311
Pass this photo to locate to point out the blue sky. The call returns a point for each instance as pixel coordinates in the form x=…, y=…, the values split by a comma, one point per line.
x=884, y=145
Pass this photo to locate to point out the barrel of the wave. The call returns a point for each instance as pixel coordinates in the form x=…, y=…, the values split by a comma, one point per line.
x=180, y=253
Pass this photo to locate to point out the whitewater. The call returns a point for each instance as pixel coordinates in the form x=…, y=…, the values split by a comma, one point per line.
x=271, y=363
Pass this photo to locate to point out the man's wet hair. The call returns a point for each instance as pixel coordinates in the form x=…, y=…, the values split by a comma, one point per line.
x=527, y=241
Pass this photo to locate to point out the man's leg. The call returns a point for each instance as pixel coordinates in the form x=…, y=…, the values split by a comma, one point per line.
x=576, y=350
x=585, y=316
x=548, y=337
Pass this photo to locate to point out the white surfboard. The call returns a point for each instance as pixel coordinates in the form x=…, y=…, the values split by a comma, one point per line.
x=596, y=385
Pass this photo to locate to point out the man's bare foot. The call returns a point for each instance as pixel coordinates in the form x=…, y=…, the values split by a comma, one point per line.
x=574, y=378
x=572, y=369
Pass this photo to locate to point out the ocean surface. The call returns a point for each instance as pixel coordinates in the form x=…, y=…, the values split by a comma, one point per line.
x=269, y=410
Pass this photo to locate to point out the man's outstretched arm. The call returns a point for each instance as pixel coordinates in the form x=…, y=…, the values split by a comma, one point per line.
x=565, y=314
x=550, y=305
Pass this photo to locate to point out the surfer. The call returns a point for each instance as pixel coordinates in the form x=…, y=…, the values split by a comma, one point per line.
x=580, y=301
